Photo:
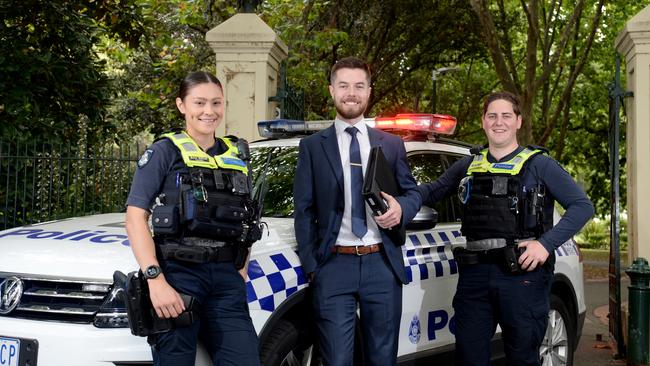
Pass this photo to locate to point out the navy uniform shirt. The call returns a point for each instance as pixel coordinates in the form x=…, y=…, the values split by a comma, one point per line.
x=540, y=169
x=161, y=159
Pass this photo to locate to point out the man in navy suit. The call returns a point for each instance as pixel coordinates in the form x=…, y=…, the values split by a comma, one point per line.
x=349, y=258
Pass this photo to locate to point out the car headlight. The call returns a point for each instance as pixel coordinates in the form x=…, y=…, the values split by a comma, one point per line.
x=112, y=313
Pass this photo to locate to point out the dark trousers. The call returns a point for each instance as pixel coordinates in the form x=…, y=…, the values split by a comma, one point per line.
x=224, y=324
x=341, y=284
x=486, y=296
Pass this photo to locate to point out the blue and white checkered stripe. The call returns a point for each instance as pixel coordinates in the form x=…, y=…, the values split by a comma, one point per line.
x=567, y=249
x=428, y=255
x=272, y=279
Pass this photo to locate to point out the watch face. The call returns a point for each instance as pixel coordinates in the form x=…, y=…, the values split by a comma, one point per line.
x=152, y=272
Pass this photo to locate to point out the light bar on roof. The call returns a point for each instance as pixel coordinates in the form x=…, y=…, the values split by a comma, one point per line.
x=429, y=123
x=415, y=122
x=286, y=127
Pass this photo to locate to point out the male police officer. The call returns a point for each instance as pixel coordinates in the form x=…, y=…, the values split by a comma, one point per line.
x=507, y=192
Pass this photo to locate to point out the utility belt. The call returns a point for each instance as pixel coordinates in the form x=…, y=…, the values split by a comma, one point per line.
x=506, y=257
x=196, y=253
x=486, y=244
x=201, y=250
x=502, y=252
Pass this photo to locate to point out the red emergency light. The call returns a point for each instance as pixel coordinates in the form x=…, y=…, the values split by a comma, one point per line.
x=428, y=123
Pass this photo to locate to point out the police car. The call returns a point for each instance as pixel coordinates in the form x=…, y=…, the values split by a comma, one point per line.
x=59, y=305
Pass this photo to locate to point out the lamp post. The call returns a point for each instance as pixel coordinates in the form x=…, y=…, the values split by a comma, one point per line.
x=436, y=72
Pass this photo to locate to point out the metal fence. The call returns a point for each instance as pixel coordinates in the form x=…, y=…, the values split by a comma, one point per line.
x=45, y=182
x=617, y=97
x=291, y=101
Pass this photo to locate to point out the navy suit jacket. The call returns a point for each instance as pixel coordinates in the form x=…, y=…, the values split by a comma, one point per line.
x=318, y=196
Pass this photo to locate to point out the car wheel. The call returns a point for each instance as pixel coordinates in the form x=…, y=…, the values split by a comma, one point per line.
x=559, y=341
x=288, y=345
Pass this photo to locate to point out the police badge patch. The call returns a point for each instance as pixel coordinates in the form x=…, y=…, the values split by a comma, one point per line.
x=414, y=330
x=144, y=159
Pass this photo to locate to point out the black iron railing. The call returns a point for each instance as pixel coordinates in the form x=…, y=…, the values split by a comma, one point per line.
x=291, y=101
x=45, y=182
x=616, y=102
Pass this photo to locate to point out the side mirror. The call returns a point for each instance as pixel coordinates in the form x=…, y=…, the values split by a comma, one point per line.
x=425, y=219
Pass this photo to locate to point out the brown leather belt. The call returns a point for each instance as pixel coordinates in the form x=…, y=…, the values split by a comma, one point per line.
x=357, y=249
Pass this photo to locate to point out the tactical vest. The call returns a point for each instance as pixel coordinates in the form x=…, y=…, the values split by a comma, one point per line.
x=209, y=198
x=497, y=205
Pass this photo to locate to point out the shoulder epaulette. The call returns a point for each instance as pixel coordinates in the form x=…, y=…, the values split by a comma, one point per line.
x=537, y=147
x=476, y=149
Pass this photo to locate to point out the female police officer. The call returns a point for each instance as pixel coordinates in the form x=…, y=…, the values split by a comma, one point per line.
x=197, y=190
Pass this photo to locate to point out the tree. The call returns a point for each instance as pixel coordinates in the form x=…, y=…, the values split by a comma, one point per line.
x=542, y=67
x=559, y=57
x=586, y=148
x=50, y=73
x=147, y=77
x=119, y=63
x=402, y=40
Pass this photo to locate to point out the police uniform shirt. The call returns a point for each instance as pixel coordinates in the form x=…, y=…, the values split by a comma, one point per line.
x=540, y=169
x=155, y=164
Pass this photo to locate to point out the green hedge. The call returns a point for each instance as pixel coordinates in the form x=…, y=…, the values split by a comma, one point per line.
x=595, y=234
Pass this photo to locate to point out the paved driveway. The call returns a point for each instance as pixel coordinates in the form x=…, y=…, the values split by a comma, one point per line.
x=594, y=348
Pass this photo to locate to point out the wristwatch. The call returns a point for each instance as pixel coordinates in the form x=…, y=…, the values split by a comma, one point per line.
x=152, y=271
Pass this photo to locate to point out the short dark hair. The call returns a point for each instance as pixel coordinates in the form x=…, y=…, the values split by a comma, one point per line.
x=507, y=96
x=350, y=63
x=194, y=78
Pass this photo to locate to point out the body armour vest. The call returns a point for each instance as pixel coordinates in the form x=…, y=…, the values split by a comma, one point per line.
x=209, y=198
x=497, y=205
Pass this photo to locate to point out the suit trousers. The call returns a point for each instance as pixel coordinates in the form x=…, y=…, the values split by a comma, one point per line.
x=344, y=283
x=224, y=323
x=488, y=295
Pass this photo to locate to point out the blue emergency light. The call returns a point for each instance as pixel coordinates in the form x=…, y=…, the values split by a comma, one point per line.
x=279, y=128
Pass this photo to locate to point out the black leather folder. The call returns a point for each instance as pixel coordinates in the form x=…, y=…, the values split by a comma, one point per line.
x=380, y=177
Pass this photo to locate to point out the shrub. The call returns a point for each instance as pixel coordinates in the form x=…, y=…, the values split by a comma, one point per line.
x=596, y=234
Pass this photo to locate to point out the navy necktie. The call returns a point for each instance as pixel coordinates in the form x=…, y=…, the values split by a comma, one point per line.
x=359, y=227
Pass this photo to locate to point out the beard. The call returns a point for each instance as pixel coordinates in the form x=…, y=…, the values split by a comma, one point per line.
x=350, y=111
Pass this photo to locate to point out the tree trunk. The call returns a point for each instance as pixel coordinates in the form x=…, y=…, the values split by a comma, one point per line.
x=525, y=135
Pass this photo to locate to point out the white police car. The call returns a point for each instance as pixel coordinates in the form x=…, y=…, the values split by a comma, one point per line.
x=58, y=305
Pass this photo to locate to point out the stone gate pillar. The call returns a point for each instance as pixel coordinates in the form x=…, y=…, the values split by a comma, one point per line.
x=248, y=54
x=634, y=44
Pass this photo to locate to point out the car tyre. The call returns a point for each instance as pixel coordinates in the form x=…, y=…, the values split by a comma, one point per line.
x=559, y=341
x=289, y=345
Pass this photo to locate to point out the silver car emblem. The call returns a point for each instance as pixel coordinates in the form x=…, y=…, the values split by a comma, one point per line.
x=10, y=291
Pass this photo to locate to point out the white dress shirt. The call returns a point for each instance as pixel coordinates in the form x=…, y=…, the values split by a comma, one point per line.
x=346, y=237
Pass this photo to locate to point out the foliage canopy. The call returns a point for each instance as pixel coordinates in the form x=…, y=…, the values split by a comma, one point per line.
x=118, y=63
x=51, y=74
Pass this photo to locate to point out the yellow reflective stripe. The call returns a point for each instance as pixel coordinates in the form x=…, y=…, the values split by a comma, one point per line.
x=477, y=163
x=480, y=163
x=230, y=159
x=194, y=156
x=191, y=153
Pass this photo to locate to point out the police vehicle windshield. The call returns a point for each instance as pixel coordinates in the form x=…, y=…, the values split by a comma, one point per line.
x=427, y=162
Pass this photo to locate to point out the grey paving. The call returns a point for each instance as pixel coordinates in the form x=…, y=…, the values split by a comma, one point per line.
x=594, y=348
